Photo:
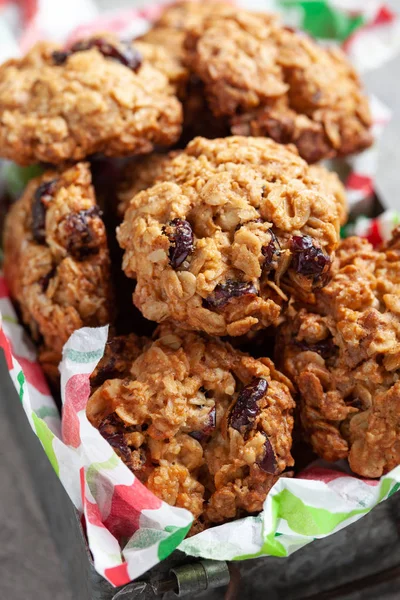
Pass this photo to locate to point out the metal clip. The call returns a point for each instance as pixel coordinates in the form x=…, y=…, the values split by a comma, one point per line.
x=187, y=579
x=200, y=576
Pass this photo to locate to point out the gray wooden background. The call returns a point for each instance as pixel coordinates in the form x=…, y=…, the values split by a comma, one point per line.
x=37, y=521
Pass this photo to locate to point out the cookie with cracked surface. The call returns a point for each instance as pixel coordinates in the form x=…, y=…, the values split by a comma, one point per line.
x=230, y=231
x=271, y=80
x=344, y=357
x=101, y=95
x=203, y=426
x=56, y=260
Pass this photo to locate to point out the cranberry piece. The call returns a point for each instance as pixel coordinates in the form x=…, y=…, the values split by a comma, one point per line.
x=308, y=259
x=81, y=241
x=111, y=424
x=117, y=441
x=108, y=371
x=180, y=235
x=246, y=407
x=268, y=461
x=300, y=243
x=40, y=199
x=325, y=348
x=45, y=280
x=108, y=429
x=208, y=429
x=124, y=53
x=271, y=252
x=224, y=292
x=60, y=56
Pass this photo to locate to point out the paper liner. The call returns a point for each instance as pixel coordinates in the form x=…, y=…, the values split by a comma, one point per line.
x=377, y=230
x=129, y=530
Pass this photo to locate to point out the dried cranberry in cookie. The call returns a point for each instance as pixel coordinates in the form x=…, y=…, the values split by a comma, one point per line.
x=122, y=52
x=209, y=428
x=230, y=231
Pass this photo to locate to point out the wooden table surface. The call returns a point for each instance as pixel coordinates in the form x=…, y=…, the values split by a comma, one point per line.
x=30, y=556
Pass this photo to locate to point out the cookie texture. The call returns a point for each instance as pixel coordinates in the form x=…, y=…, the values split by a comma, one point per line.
x=99, y=96
x=231, y=230
x=271, y=80
x=170, y=29
x=169, y=33
x=139, y=174
x=344, y=357
x=332, y=185
x=203, y=426
x=56, y=260
x=164, y=60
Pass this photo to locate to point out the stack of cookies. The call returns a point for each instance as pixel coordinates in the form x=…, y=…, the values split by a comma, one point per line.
x=229, y=235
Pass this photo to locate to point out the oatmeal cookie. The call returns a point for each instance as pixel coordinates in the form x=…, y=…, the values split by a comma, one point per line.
x=344, y=356
x=99, y=96
x=204, y=426
x=271, y=80
x=232, y=229
x=56, y=260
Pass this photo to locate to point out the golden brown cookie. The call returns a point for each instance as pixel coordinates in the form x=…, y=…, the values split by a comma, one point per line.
x=271, y=80
x=204, y=426
x=56, y=260
x=99, y=96
x=344, y=357
x=232, y=229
